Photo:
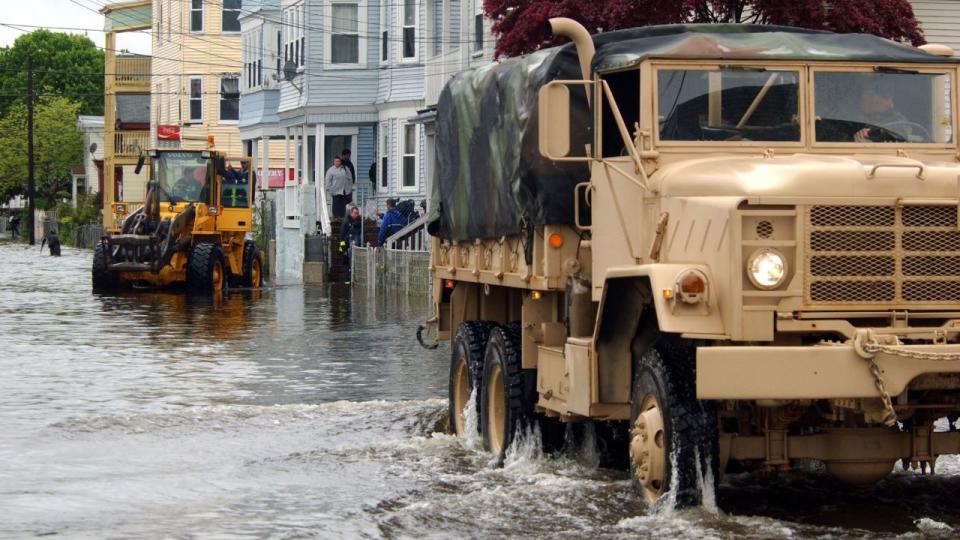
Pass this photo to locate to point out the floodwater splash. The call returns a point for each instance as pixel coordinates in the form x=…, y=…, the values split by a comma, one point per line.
x=471, y=423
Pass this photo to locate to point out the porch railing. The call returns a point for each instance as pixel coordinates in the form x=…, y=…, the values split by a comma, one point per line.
x=130, y=143
x=413, y=237
x=133, y=71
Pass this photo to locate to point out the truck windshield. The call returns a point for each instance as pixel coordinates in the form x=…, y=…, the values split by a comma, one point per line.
x=182, y=176
x=728, y=104
x=886, y=105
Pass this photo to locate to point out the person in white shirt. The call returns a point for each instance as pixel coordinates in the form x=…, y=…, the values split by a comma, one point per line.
x=339, y=183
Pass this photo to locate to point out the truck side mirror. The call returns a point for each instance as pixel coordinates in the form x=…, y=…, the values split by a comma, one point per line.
x=554, y=120
x=140, y=161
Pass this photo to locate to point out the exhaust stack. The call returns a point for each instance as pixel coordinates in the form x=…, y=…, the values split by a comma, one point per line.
x=571, y=29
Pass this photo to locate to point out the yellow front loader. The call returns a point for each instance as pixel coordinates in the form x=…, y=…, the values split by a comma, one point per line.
x=191, y=231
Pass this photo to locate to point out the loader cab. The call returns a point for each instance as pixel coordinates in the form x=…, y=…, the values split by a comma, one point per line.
x=235, y=189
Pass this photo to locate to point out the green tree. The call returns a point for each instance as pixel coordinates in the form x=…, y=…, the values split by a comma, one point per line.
x=68, y=64
x=57, y=147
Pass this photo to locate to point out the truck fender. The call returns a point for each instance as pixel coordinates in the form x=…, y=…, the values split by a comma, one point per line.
x=632, y=294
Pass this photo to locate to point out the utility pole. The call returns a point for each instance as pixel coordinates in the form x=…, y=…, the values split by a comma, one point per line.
x=31, y=186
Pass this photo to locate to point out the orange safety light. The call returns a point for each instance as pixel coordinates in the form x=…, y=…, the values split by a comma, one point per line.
x=555, y=240
x=692, y=284
x=210, y=140
x=448, y=283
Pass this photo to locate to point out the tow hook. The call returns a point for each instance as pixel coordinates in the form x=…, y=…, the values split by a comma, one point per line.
x=426, y=325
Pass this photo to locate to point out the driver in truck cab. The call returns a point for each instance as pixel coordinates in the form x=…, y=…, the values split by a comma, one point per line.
x=869, y=114
x=877, y=106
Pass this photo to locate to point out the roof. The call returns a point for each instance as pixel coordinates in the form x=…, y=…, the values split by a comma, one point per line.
x=625, y=48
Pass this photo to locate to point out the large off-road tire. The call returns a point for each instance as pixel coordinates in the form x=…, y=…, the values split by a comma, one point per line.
x=466, y=370
x=673, y=436
x=206, y=271
x=252, y=266
x=507, y=400
x=103, y=279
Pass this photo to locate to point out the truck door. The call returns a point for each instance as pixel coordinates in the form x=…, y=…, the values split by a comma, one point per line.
x=235, y=195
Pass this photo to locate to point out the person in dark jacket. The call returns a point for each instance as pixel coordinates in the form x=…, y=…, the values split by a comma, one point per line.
x=345, y=161
x=51, y=239
x=15, y=226
x=393, y=222
x=351, y=233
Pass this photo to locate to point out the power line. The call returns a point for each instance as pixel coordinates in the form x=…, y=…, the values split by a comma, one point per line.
x=324, y=29
x=239, y=65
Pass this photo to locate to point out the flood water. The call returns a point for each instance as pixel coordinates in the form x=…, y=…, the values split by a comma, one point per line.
x=312, y=412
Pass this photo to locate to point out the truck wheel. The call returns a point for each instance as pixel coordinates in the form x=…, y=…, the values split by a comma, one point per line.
x=103, y=278
x=205, y=269
x=252, y=266
x=466, y=370
x=506, y=403
x=673, y=435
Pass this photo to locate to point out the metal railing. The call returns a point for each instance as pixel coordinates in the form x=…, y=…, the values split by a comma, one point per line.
x=133, y=71
x=391, y=270
x=413, y=237
x=87, y=236
x=130, y=143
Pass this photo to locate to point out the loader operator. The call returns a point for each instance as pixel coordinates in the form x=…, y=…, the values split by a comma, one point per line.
x=188, y=188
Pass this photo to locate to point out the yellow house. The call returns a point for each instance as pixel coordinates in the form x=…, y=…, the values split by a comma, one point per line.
x=196, y=75
x=126, y=110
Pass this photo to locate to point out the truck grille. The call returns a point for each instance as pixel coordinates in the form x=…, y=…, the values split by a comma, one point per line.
x=882, y=255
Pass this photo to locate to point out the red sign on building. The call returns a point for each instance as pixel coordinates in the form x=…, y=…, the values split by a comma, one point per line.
x=274, y=178
x=168, y=132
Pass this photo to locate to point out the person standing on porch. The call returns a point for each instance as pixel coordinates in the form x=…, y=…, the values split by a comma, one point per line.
x=339, y=182
x=345, y=161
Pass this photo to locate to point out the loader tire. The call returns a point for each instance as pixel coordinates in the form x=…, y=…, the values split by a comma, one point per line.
x=206, y=271
x=252, y=266
x=103, y=279
x=466, y=371
x=507, y=404
x=673, y=436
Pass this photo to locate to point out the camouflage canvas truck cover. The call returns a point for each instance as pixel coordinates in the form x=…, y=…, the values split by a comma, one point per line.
x=721, y=244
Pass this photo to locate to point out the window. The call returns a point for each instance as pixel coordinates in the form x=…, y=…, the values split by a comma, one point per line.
x=384, y=30
x=409, y=29
x=883, y=106
x=160, y=22
x=409, y=156
x=230, y=22
x=753, y=105
x=384, y=156
x=295, y=45
x=345, y=37
x=281, y=53
x=196, y=99
x=477, y=26
x=229, y=98
x=196, y=15
x=436, y=23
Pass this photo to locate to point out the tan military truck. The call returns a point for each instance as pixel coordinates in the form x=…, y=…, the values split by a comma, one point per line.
x=739, y=242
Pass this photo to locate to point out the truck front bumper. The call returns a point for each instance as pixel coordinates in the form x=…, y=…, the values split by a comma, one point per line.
x=809, y=372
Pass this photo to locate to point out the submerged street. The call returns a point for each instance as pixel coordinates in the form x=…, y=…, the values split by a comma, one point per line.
x=297, y=412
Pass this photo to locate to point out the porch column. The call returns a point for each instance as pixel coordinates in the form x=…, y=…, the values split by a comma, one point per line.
x=323, y=212
x=264, y=161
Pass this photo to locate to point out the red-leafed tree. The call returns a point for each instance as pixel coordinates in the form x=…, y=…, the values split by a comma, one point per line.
x=521, y=25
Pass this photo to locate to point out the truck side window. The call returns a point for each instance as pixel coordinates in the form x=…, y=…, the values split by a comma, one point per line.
x=730, y=104
x=625, y=87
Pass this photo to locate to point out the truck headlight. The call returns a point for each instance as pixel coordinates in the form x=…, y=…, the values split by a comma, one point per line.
x=767, y=268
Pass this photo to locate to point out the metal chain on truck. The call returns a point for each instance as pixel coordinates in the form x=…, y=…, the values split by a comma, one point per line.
x=866, y=344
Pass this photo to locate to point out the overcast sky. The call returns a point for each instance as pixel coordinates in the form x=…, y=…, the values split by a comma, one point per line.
x=64, y=13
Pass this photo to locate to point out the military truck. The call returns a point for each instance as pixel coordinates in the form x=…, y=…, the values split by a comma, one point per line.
x=737, y=244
